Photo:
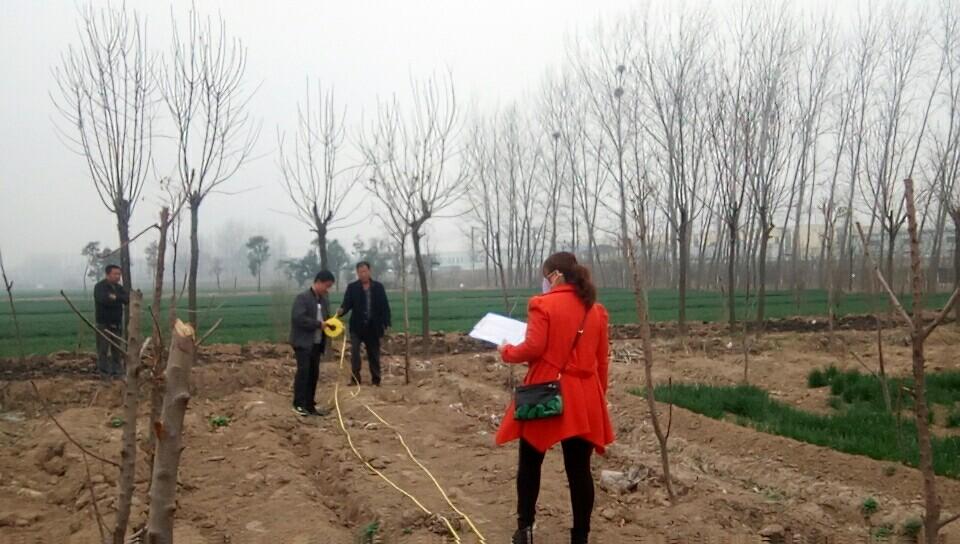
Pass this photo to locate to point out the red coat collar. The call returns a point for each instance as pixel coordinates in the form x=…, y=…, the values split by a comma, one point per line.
x=560, y=288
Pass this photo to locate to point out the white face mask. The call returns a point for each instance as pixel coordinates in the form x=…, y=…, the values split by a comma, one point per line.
x=545, y=287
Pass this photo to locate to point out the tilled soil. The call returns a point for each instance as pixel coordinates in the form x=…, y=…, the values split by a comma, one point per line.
x=271, y=477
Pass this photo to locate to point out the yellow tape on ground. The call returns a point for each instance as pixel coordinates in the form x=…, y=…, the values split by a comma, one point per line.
x=343, y=427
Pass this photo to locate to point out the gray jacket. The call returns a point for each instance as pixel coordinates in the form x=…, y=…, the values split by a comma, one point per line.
x=303, y=320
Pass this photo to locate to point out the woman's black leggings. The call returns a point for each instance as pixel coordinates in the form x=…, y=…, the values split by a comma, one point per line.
x=576, y=461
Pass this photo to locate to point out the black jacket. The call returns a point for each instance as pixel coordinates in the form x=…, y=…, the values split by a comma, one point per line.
x=354, y=300
x=303, y=320
x=109, y=311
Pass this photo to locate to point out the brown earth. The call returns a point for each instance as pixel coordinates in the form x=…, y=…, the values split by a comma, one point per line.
x=271, y=477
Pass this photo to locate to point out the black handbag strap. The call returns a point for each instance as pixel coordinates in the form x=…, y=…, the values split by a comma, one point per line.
x=576, y=339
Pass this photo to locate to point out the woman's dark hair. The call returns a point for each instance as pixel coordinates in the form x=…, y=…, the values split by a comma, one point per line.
x=573, y=273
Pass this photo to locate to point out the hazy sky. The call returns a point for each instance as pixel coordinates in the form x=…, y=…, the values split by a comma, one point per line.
x=497, y=50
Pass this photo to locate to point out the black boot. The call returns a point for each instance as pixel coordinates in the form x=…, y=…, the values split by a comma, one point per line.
x=578, y=536
x=523, y=536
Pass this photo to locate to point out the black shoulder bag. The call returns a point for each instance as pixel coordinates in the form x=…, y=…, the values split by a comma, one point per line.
x=543, y=400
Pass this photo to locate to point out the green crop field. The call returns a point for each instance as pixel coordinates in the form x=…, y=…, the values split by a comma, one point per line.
x=47, y=324
x=859, y=423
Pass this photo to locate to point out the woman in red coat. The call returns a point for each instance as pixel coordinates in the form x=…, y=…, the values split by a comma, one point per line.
x=552, y=348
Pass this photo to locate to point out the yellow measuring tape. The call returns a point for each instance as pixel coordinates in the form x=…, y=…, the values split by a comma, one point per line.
x=334, y=328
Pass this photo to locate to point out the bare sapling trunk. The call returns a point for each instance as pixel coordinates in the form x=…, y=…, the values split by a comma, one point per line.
x=169, y=431
x=131, y=404
x=931, y=519
x=919, y=331
x=643, y=319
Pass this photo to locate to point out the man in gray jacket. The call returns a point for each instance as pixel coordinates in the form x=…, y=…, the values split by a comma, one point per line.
x=308, y=341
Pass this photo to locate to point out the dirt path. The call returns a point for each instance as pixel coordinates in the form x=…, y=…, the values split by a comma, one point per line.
x=269, y=477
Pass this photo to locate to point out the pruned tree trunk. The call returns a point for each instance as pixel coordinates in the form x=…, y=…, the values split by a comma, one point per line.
x=156, y=377
x=169, y=431
x=131, y=404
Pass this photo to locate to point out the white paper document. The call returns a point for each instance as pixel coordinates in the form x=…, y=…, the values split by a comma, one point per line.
x=498, y=329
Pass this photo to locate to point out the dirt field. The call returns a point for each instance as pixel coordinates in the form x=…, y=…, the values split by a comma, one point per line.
x=270, y=477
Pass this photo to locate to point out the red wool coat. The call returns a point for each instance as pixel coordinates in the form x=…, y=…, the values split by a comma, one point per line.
x=552, y=322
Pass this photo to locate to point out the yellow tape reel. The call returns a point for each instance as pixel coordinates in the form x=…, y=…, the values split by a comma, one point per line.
x=333, y=327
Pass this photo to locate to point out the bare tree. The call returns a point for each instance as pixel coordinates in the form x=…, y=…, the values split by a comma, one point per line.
x=203, y=87
x=409, y=160
x=776, y=48
x=889, y=149
x=812, y=85
x=672, y=80
x=861, y=64
x=316, y=184
x=106, y=96
x=920, y=330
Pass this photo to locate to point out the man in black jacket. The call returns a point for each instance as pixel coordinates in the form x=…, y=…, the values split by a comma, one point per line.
x=308, y=341
x=109, y=296
x=367, y=299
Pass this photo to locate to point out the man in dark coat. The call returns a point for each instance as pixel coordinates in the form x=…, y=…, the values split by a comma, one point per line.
x=369, y=321
x=109, y=296
x=308, y=341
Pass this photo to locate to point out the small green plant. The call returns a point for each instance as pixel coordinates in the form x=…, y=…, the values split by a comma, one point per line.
x=219, y=421
x=912, y=527
x=953, y=418
x=816, y=379
x=821, y=378
x=116, y=422
x=883, y=531
x=869, y=506
x=369, y=532
x=835, y=402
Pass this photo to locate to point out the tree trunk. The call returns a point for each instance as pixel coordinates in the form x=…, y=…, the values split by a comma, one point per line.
x=169, y=431
x=424, y=291
x=891, y=246
x=732, y=275
x=955, y=215
x=131, y=404
x=684, y=233
x=322, y=245
x=931, y=518
x=192, y=316
x=156, y=378
x=765, y=230
x=258, y=279
x=406, y=313
x=933, y=272
x=643, y=319
x=123, y=229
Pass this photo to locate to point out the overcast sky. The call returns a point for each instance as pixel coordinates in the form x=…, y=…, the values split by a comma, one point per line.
x=497, y=50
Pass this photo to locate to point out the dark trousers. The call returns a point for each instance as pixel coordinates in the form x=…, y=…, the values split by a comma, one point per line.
x=370, y=339
x=576, y=461
x=109, y=358
x=308, y=372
